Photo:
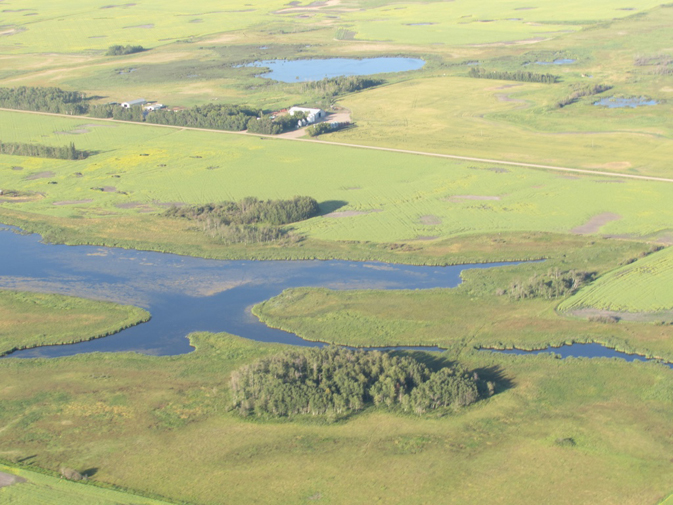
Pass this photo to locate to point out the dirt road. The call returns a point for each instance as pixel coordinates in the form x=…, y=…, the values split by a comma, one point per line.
x=374, y=148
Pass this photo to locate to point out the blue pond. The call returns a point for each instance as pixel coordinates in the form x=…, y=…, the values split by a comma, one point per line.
x=186, y=294
x=618, y=103
x=317, y=69
x=578, y=351
x=560, y=61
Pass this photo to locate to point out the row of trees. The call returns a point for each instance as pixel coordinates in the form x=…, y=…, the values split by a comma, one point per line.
x=554, y=284
x=44, y=100
x=320, y=128
x=118, y=50
x=335, y=381
x=251, y=211
x=250, y=220
x=339, y=85
x=519, y=75
x=69, y=152
x=581, y=91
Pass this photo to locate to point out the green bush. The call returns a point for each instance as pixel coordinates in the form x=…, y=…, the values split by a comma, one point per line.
x=118, y=50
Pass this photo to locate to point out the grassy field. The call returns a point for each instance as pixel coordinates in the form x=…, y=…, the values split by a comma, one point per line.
x=114, y=413
x=40, y=489
x=35, y=319
x=643, y=286
x=393, y=196
x=473, y=314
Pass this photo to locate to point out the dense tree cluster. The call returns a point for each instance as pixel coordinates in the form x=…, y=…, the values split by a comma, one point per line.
x=580, y=91
x=118, y=50
x=339, y=85
x=335, y=382
x=252, y=211
x=215, y=116
x=250, y=220
x=44, y=100
x=68, y=152
x=268, y=126
x=117, y=112
x=553, y=284
x=519, y=75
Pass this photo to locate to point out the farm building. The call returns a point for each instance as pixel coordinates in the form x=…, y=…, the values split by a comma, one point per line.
x=312, y=115
x=155, y=106
x=133, y=103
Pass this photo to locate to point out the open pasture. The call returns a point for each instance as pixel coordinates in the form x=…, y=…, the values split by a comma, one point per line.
x=645, y=286
x=389, y=196
x=114, y=413
x=39, y=489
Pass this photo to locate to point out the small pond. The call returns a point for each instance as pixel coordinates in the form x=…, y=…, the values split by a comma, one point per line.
x=560, y=61
x=578, y=351
x=317, y=69
x=618, y=103
x=185, y=294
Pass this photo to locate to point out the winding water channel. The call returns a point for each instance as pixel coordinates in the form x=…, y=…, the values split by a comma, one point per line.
x=185, y=294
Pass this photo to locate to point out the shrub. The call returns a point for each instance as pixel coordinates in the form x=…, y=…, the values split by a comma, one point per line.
x=118, y=50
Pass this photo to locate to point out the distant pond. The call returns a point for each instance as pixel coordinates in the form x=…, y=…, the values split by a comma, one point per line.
x=317, y=69
x=560, y=61
x=618, y=103
x=578, y=351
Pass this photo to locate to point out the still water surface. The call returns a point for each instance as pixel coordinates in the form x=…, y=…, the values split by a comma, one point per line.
x=186, y=294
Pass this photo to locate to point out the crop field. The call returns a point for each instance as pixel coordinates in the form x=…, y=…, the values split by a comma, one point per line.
x=39, y=489
x=33, y=319
x=643, y=286
x=380, y=196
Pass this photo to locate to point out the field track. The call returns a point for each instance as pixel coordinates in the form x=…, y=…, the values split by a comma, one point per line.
x=389, y=149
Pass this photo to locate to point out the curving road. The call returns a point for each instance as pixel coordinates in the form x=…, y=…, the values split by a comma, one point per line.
x=359, y=146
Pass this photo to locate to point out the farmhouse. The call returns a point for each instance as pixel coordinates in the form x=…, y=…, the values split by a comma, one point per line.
x=133, y=103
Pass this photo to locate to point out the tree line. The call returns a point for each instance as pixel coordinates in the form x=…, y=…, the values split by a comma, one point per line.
x=53, y=100
x=338, y=85
x=335, y=382
x=581, y=91
x=250, y=220
x=69, y=152
x=519, y=75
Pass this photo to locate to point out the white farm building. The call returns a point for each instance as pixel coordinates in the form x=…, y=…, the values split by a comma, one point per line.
x=312, y=115
x=133, y=103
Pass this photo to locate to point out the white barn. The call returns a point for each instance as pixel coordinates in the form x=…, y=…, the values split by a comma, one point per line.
x=312, y=115
x=132, y=103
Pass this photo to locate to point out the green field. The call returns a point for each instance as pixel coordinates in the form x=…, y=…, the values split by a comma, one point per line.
x=140, y=169
x=113, y=412
x=36, y=319
x=645, y=286
x=559, y=432
x=40, y=489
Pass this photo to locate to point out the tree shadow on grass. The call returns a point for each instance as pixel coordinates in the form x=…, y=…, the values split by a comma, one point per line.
x=497, y=375
x=329, y=206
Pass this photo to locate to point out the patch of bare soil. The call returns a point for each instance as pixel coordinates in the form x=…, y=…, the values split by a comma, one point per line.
x=638, y=317
x=72, y=202
x=596, y=223
x=502, y=97
x=76, y=131
x=430, y=220
x=506, y=86
x=139, y=206
x=169, y=204
x=350, y=213
x=458, y=198
x=146, y=27
x=40, y=175
x=534, y=40
x=8, y=479
x=613, y=165
x=109, y=189
x=427, y=237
